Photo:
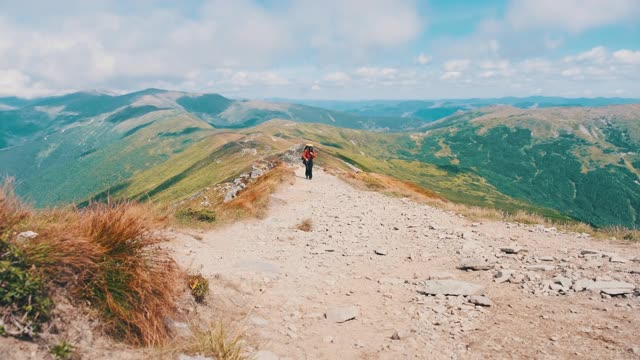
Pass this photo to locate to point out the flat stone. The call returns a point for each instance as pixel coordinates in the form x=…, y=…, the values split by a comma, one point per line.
x=590, y=252
x=440, y=275
x=480, y=300
x=541, y=267
x=612, y=285
x=547, y=258
x=563, y=281
x=27, y=235
x=449, y=287
x=503, y=275
x=513, y=249
x=615, y=292
x=582, y=284
x=380, y=252
x=475, y=265
x=342, y=314
x=617, y=259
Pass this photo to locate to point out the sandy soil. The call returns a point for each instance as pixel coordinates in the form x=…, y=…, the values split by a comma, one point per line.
x=375, y=252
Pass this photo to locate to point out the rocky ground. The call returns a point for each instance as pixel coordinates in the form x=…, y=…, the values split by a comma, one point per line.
x=386, y=278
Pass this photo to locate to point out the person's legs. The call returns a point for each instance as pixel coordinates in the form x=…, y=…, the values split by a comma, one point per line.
x=306, y=169
x=310, y=163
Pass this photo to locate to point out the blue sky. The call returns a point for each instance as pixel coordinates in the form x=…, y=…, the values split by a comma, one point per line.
x=333, y=49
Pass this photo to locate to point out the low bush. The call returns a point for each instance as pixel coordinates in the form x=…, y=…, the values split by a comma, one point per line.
x=62, y=351
x=24, y=304
x=199, y=287
x=203, y=215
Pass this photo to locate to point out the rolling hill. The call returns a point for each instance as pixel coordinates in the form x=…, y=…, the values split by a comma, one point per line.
x=579, y=163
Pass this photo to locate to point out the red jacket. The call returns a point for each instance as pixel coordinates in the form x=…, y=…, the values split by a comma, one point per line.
x=308, y=154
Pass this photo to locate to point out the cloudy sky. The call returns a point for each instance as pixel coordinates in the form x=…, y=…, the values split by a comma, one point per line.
x=329, y=49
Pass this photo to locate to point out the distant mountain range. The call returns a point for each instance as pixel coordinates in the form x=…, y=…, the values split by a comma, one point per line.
x=563, y=158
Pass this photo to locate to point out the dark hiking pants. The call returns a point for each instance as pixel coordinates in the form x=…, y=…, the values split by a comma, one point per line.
x=309, y=168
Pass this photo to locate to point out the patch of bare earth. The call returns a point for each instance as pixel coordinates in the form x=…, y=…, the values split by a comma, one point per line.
x=354, y=286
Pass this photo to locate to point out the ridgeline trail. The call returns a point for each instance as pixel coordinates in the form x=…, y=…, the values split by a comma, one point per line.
x=354, y=286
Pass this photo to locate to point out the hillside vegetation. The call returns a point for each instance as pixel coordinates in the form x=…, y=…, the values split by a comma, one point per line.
x=565, y=163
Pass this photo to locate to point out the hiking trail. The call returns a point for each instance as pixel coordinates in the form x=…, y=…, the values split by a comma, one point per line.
x=353, y=287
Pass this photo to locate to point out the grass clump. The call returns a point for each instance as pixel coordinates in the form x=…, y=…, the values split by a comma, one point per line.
x=199, y=287
x=202, y=215
x=305, y=225
x=217, y=342
x=134, y=283
x=62, y=350
x=24, y=304
x=104, y=254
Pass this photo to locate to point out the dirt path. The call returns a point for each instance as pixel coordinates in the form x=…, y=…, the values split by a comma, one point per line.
x=374, y=252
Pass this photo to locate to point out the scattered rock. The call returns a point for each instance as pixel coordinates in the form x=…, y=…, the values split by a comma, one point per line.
x=617, y=259
x=547, y=258
x=476, y=265
x=566, y=283
x=616, y=291
x=590, y=252
x=503, y=275
x=612, y=287
x=395, y=336
x=380, y=252
x=440, y=275
x=541, y=267
x=582, y=284
x=449, y=287
x=513, y=249
x=342, y=314
x=27, y=235
x=480, y=300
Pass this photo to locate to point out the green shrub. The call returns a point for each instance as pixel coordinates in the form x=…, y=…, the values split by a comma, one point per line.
x=204, y=215
x=62, y=351
x=24, y=304
x=199, y=287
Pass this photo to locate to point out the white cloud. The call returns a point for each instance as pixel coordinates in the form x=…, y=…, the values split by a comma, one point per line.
x=338, y=77
x=376, y=73
x=456, y=65
x=451, y=75
x=571, y=15
x=99, y=45
x=627, y=56
x=423, y=59
x=597, y=54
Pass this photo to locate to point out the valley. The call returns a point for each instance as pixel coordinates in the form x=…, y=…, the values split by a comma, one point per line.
x=565, y=163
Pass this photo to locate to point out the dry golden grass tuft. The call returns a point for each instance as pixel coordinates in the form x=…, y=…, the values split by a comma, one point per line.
x=305, y=225
x=106, y=254
x=216, y=341
x=12, y=211
x=389, y=185
x=254, y=199
x=136, y=284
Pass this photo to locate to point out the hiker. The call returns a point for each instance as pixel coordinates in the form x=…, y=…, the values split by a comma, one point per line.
x=307, y=159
